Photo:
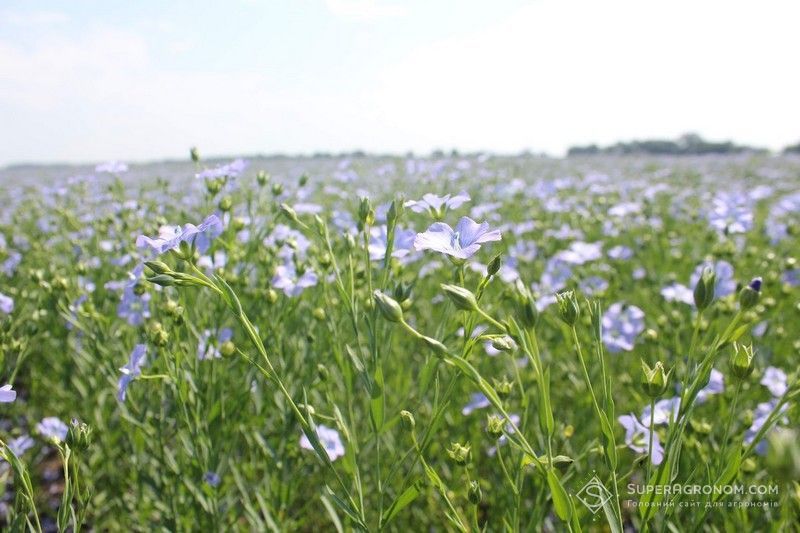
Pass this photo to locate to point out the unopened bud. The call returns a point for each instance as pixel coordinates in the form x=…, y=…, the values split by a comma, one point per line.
x=748, y=297
x=742, y=361
x=654, y=380
x=568, y=308
x=408, y=419
x=704, y=289
x=462, y=298
x=459, y=453
x=474, y=493
x=388, y=307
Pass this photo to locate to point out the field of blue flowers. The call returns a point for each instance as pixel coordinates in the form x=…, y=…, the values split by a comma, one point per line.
x=454, y=343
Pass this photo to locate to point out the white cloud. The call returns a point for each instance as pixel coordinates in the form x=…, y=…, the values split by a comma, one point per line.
x=562, y=72
x=33, y=18
x=364, y=10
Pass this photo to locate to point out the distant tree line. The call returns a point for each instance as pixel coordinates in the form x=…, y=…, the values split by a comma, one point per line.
x=689, y=144
x=792, y=149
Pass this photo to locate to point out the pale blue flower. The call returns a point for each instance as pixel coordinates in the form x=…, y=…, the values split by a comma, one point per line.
x=581, y=252
x=212, y=479
x=724, y=284
x=170, y=237
x=112, y=167
x=287, y=279
x=437, y=204
x=7, y=394
x=21, y=444
x=731, y=213
x=378, y=241
x=715, y=385
x=131, y=370
x=230, y=170
x=477, y=400
x=675, y=292
x=52, y=428
x=775, y=380
x=461, y=243
x=208, y=348
x=621, y=325
x=329, y=438
x=637, y=438
x=620, y=252
x=665, y=411
x=760, y=417
x=6, y=304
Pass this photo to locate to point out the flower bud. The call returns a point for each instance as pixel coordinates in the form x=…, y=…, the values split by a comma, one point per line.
x=503, y=344
x=194, y=153
x=474, y=493
x=213, y=186
x=462, y=298
x=494, y=266
x=396, y=210
x=277, y=189
x=494, y=426
x=503, y=387
x=289, y=212
x=783, y=454
x=227, y=349
x=225, y=204
x=654, y=380
x=318, y=313
x=526, y=310
x=159, y=267
x=162, y=279
x=748, y=297
x=437, y=347
x=568, y=308
x=271, y=296
x=408, y=419
x=79, y=435
x=704, y=289
x=323, y=372
x=262, y=178
x=459, y=453
x=742, y=361
x=388, y=307
x=366, y=215
x=303, y=180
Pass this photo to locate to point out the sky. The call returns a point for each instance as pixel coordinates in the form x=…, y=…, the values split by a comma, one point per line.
x=96, y=80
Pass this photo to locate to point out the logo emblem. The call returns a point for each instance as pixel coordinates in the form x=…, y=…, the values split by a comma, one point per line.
x=594, y=494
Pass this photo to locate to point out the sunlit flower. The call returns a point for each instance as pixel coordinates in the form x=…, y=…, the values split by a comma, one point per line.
x=461, y=243
x=170, y=237
x=437, y=204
